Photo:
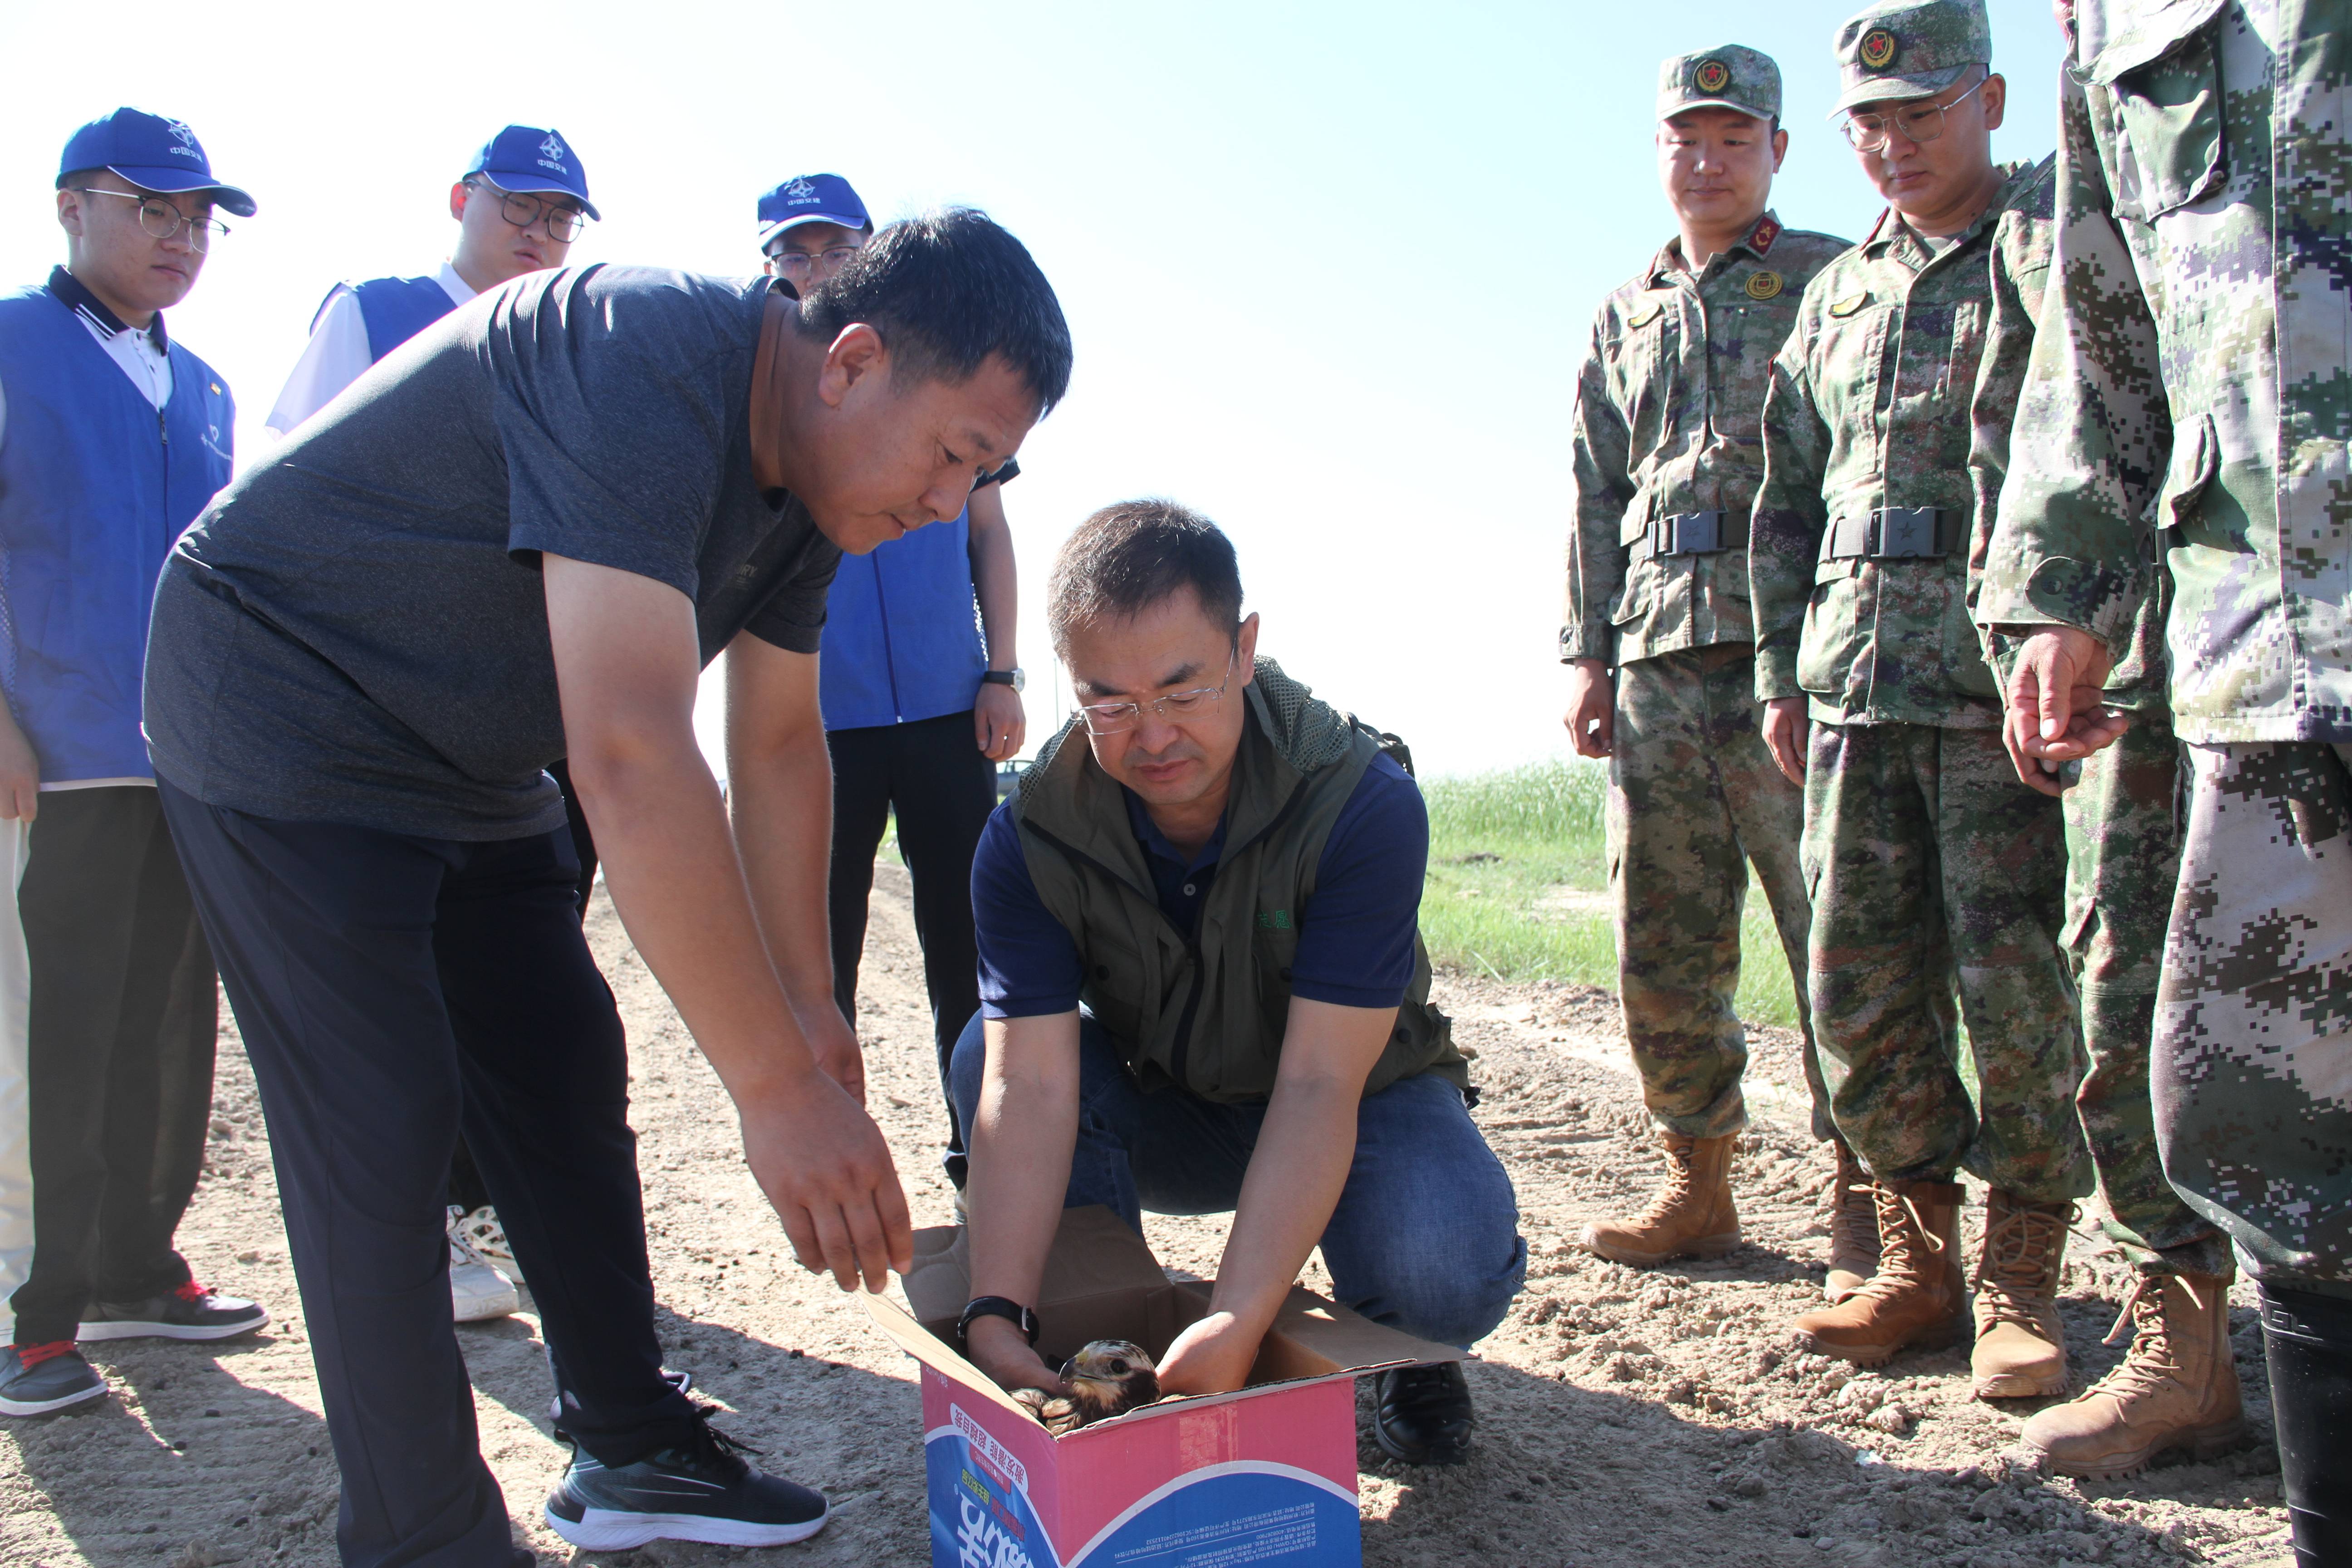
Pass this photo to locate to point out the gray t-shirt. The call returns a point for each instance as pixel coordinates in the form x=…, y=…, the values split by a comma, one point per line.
x=355, y=630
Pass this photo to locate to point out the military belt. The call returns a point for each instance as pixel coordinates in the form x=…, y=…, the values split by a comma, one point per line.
x=1694, y=533
x=1895, y=533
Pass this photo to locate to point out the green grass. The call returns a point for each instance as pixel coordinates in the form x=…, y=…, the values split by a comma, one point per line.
x=1518, y=884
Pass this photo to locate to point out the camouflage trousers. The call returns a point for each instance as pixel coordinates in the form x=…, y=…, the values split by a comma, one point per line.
x=1694, y=799
x=2252, y=1070
x=2123, y=858
x=1931, y=868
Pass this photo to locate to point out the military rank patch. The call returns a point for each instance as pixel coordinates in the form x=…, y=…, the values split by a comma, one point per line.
x=1760, y=238
x=1712, y=75
x=1877, y=49
x=1764, y=285
x=1849, y=304
x=1643, y=315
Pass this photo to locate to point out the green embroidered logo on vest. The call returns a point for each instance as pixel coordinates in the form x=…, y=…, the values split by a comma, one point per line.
x=1274, y=919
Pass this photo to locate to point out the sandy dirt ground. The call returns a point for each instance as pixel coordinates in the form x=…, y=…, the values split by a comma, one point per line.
x=1626, y=1418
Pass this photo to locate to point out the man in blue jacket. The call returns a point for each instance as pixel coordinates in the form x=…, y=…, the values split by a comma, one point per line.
x=921, y=701
x=115, y=437
x=520, y=203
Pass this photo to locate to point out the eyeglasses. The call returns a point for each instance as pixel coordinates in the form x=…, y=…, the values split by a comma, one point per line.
x=1923, y=124
x=1111, y=718
x=800, y=263
x=161, y=219
x=564, y=224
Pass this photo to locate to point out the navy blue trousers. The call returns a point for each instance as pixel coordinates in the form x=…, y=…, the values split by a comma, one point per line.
x=1425, y=1238
x=389, y=988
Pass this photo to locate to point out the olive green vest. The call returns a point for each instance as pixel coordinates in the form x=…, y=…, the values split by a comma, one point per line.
x=1206, y=1009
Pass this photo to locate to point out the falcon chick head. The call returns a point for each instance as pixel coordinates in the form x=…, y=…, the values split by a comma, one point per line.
x=1109, y=1377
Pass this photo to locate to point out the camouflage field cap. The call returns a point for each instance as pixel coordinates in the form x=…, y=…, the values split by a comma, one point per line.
x=1909, y=49
x=1732, y=77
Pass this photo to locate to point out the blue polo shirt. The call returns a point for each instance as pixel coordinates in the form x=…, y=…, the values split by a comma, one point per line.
x=1356, y=930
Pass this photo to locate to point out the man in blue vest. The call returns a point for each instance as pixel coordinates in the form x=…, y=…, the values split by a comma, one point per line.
x=920, y=701
x=519, y=205
x=114, y=439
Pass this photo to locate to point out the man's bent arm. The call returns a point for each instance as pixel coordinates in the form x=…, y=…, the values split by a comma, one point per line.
x=1021, y=1141
x=627, y=661
x=1304, y=1151
x=780, y=792
x=2071, y=575
x=1000, y=725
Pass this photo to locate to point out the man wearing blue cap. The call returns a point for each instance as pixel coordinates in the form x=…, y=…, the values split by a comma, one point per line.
x=520, y=205
x=112, y=438
x=920, y=701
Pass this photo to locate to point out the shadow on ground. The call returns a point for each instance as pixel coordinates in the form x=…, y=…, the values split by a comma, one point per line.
x=1588, y=1480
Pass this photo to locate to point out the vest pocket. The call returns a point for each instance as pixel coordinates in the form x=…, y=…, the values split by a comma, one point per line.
x=2172, y=152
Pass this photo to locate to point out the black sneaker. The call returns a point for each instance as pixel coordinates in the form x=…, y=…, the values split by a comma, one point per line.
x=38, y=1379
x=190, y=1312
x=1423, y=1415
x=700, y=1491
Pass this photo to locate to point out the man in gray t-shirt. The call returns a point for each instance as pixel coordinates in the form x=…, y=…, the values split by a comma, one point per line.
x=520, y=537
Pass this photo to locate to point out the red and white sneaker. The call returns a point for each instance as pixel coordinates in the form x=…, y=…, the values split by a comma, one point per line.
x=190, y=1312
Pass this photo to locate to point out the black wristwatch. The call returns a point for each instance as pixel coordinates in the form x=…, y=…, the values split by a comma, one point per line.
x=1013, y=677
x=996, y=1307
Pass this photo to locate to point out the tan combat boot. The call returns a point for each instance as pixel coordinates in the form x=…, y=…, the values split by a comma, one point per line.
x=2021, y=1350
x=1918, y=1298
x=1851, y=1215
x=1692, y=1217
x=2177, y=1387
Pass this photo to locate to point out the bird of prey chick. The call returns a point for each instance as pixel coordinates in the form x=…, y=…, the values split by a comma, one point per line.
x=1108, y=1378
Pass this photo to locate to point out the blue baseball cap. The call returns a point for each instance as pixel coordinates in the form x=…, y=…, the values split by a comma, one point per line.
x=810, y=198
x=526, y=158
x=150, y=152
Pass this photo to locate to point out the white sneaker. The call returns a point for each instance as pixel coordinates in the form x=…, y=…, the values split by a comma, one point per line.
x=490, y=1238
x=477, y=1289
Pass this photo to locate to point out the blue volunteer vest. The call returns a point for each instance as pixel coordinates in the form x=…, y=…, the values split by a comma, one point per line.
x=95, y=484
x=396, y=308
x=902, y=632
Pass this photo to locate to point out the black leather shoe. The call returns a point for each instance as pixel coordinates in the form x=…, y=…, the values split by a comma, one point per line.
x=1424, y=1415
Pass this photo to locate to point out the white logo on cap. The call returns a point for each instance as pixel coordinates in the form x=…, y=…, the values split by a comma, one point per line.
x=800, y=191
x=552, y=147
x=179, y=129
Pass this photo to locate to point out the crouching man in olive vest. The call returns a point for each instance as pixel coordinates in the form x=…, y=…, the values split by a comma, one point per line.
x=1202, y=988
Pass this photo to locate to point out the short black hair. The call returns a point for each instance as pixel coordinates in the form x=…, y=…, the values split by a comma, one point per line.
x=946, y=290
x=75, y=179
x=1129, y=557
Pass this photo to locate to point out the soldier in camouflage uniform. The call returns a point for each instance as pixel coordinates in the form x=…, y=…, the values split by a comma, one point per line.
x=2215, y=207
x=1931, y=864
x=2094, y=431
x=1666, y=455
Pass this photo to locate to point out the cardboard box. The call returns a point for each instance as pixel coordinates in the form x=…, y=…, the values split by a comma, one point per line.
x=1264, y=1476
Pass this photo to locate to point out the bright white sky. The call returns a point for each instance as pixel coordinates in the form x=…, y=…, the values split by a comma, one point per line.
x=1328, y=266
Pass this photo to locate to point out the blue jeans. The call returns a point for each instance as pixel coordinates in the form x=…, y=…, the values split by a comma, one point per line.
x=1425, y=1238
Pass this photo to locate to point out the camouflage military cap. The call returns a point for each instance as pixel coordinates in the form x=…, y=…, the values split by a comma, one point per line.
x=1732, y=77
x=1909, y=49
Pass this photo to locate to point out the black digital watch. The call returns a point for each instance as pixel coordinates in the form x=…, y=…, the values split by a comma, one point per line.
x=996, y=1307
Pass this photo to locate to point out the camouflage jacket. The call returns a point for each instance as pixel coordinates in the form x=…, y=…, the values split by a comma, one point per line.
x=2071, y=426
x=1669, y=413
x=2219, y=172
x=1869, y=410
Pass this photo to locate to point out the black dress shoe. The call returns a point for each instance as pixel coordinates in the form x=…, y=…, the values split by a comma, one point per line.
x=1424, y=1415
